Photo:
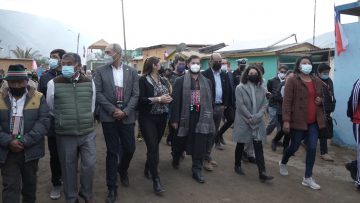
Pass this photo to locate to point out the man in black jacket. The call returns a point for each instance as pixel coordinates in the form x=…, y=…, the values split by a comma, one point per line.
x=272, y=87
x=221, y=92
x=55, y=70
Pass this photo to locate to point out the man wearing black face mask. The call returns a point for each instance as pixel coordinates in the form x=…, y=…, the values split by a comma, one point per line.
x=23, y=123
x=237, y=73
x=221, y=92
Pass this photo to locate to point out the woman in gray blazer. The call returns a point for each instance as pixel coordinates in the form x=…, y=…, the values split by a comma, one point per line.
x=249, y=125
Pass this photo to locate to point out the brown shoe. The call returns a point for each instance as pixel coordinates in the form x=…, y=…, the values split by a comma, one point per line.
x=326, y=157
x=208, y=166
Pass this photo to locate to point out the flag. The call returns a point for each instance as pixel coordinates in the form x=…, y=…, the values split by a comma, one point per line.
x=341, y=40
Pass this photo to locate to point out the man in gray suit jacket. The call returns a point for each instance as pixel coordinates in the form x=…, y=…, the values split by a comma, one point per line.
x=117, y=95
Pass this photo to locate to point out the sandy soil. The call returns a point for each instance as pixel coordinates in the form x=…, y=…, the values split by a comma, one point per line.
x=222, y=185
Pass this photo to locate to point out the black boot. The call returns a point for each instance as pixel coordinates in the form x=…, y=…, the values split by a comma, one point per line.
x=112, y=195
x=264, y=177
x=198, y=177
x=158, y=188
x=239, y=170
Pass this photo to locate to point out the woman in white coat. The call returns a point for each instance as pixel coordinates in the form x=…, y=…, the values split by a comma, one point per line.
x=249, y=125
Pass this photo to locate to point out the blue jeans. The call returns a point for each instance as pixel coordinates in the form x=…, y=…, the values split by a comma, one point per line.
x=310, y=136
x=273, y=121
x=120, y=148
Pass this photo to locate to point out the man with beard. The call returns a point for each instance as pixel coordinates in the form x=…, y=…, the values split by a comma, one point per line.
x=192, y=117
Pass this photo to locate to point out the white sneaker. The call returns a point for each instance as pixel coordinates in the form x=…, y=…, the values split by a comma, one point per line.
x=283, y=169
x=310, y=182
x=55, y=192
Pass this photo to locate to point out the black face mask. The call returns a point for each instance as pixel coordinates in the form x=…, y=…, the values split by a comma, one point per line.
x=216, y=66
x=242, y=68
x=162, y=70
x=254, y=78
x=17, y=92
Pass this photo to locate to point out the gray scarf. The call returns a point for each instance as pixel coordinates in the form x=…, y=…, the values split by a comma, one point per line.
x=206, y=122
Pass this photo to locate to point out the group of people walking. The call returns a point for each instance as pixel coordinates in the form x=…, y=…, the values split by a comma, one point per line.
x=190, y=102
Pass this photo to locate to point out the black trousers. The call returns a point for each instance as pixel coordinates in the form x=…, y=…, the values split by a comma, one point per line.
x=259, y=155
x=54, y=161
x=152, y=128
x=229, y=114
x=18, y=177
x=281, y=133
x=171, y=134
x=120, y=148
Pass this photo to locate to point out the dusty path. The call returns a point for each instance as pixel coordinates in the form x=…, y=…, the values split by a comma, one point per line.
x=222, y=185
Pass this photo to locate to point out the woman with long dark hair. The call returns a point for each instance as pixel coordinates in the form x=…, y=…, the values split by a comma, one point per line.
x=249, y=126
x=303, y=116
x=154, y=102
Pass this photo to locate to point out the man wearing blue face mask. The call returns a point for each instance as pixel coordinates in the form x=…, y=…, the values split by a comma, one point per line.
x=179, y=70
x=71, y=99
x=55, y=70
x=329, y=107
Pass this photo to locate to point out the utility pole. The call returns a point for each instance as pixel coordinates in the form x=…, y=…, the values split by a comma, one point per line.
x=314, y=23
x=77, y=44
x=123, y=18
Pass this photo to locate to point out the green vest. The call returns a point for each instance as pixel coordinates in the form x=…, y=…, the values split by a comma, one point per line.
x=72, y=106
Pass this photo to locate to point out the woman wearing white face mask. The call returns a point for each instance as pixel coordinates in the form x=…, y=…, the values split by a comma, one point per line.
x=303, y=116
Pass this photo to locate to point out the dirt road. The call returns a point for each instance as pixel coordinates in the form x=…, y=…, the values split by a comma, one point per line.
x=222, y=185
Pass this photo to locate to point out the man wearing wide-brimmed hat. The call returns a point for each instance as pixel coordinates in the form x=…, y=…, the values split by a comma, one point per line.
x=23, y=123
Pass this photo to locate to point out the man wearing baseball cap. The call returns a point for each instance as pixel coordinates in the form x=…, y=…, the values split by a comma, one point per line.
x=23, y=123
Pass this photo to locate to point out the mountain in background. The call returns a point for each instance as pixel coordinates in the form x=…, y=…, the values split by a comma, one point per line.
x=39, y=33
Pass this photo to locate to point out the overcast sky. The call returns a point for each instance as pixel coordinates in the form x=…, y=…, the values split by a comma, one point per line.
x=151, y=22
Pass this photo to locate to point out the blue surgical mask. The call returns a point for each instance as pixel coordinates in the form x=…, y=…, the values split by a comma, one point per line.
x=306, y=68
x=181, y=68
x=53, y=63
x=324, y=77
x=108, y=59
x=68, y=71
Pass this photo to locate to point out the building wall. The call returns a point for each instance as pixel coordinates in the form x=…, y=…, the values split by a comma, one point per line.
x=347, y=71
x=269, y=63
x=5, y=63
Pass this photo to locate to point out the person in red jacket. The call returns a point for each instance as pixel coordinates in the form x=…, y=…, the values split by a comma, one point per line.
x=353, y=112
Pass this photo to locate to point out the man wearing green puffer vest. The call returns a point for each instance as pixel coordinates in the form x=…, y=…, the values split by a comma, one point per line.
x=71, y=99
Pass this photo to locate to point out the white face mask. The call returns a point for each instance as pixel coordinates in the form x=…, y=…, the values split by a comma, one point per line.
x=224, y=67
x=195, y=68
x=306, y=68
x=108, y=59
x=281, y=76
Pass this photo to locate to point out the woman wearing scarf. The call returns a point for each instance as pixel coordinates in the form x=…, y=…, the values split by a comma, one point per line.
x=249, y=125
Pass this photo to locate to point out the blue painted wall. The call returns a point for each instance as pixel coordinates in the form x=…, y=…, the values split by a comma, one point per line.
x=347, y=71
x=269, y=62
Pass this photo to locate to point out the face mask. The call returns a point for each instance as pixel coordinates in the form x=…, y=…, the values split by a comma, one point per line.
x=108, y=59
x=181, y=68
x=216, y=66
x=281, y=76
x=306, y=68
x=17, y=92
x=161, y=70
x=53, y=63
x=195, y=68
x=253, y=78
x=325, y=76
x=68, y=71
x=224, y=67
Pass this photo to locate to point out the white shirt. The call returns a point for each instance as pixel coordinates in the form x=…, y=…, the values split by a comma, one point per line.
x=50, y=96
x=17, y=106
x=118, y=75
x=218, y=87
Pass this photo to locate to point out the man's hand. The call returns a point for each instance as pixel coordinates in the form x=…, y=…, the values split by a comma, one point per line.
x=175, y=125
x=318, y=100
x=118, y=114
x=16, y=146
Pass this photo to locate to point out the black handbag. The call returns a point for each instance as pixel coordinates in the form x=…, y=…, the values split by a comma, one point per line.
x=328, y=131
